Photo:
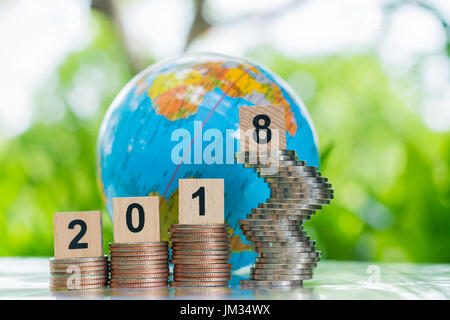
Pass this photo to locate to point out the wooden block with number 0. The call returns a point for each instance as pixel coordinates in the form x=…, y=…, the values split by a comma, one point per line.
x=201, y=201
x=78, y=234
x=262, y=128
x=136, y=219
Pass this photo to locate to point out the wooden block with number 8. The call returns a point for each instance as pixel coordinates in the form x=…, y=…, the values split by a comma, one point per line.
x=78, y=234
x=201, y=201
x=136, y=219
x=262, y=128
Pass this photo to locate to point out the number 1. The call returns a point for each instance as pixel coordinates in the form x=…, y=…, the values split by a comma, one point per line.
x=201, y=194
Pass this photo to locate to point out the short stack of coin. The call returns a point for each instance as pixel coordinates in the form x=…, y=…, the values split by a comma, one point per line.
x=139, y=265
x=286, y=255
x=79, y=273
x=200, y=254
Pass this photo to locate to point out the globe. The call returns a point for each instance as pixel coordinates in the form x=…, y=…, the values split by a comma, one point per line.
x=179, y=118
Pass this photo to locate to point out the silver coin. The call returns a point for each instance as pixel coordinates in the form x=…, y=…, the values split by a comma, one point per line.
x=274, y=234
x=138, y=251
x=140, y=258
x=182, y=255
x=265, y=159
x=269, y=222
x=299, y=185
x=299, y=176
x=81, y=276
x=286, y=244
x=284, y=249
x=139, y=244
x=82, y=272
x=196, y=249
x=77, y=260
x=212, y=226
x=259, y=271
x=199, y=240
x=280, y=266
x=282, y=211
x=278, y=163
x=274, y=228
x=287, y=170
x=276, y=195
x=288, y=176
x=297, y=179
x=287, y=260
x=299, y=201
x=266, y=153
x=303, y=171
x=278, y=216
x=206, y=235
x=280, y=205
x=296, y=168
x=129, y=279
x=128, y=264
x=205, y=279
x=271, y=284
x=203, y=273
x=290, y=255
x=281, y=277
x=296, y=274
x=302, y=190
x=276, y=238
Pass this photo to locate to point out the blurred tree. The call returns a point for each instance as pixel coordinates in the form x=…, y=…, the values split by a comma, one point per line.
x=390, y=172
x=51, y=167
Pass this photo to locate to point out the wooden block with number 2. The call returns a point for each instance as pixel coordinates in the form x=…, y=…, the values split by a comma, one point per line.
x=78, y=234
x=201, y=201
x=136, y=219
x=262, y=128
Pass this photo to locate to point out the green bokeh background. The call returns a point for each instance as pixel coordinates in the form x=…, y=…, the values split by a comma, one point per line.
x=390, y=172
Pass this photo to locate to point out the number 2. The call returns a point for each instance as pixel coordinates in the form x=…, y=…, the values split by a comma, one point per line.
x=74, y=244
x=201, y=194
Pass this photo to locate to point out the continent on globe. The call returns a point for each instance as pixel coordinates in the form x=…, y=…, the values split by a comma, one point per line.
x=197, y=94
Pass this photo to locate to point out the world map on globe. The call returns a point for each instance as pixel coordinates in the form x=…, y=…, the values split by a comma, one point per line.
x=194, y=92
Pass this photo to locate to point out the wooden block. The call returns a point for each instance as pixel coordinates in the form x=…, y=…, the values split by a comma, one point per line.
x=136, y=219
x=78, y=234
x=201, y=201
x=262, y=128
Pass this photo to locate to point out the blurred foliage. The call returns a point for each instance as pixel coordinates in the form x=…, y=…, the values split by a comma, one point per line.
x=389, y=171
x=51, y=167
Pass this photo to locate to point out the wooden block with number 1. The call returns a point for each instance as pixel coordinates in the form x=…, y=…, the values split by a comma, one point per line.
x=78, y=234
x=262, y=128
x=201, y=201
x=136, y=219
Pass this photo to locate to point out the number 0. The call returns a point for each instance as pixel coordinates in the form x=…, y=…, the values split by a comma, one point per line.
x=130, y=217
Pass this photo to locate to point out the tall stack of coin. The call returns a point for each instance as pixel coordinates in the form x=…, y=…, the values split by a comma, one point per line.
x=79, y=273
x=200, y=254
x=286, y=255
x=139, y=265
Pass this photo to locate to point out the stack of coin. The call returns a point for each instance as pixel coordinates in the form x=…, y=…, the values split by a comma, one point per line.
x=139, y=265
x=200, y=254
x=286, y=255
x=79, y=273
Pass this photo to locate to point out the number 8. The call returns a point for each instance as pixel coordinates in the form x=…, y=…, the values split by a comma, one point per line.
x=258, y=127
